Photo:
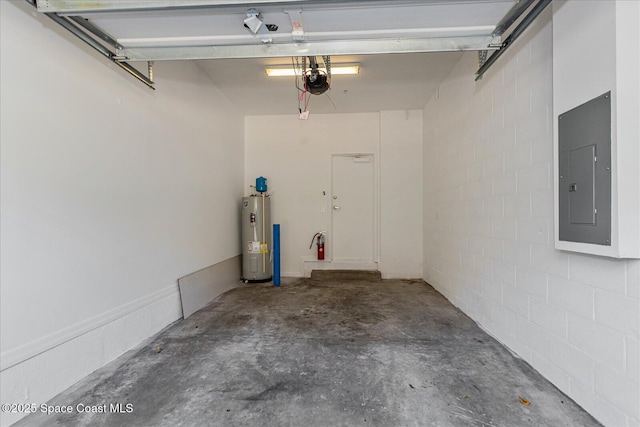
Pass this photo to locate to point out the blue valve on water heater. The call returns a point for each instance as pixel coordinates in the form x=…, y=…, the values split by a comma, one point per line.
x=261, y=184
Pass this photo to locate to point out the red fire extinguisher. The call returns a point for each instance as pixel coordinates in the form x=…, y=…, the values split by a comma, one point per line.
x=319, y=238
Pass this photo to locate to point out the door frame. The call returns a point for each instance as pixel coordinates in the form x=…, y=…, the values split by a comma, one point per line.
x=376, y=201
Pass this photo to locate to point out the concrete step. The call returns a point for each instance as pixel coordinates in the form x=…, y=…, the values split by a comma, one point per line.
x=334, y=275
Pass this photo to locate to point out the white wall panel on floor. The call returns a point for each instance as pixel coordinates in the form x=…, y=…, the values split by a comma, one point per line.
x=295, y=156
x=573, y=317
x=110, y=192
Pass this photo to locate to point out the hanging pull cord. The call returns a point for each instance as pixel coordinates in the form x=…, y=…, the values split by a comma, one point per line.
x=318, y=234
x=314, y=238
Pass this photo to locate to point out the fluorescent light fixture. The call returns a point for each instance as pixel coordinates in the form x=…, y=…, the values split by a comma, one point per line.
x=335, y=70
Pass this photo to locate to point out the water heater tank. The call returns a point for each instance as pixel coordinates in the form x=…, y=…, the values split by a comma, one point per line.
x=256, y=239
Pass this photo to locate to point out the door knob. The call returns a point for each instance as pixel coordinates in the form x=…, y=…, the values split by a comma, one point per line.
x=336, y=208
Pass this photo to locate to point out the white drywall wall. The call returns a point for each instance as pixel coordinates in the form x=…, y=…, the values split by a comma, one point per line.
x=488, y=227
x=109, y=193
x=295, y=156
x=401, y=194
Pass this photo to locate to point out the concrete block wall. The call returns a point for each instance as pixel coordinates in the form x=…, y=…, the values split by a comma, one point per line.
x=488, y=232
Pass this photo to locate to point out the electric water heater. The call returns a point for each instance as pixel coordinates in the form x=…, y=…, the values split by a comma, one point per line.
x=256, y=239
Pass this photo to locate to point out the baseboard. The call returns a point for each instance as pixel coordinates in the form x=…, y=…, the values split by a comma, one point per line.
x=198, y=289
x=41, y=370
x=291, y=274
x=31, y=349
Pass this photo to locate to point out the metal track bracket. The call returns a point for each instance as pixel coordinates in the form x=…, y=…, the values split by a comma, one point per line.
x=101, y=42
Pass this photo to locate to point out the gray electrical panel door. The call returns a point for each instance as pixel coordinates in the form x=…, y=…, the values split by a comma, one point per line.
x=584, y=165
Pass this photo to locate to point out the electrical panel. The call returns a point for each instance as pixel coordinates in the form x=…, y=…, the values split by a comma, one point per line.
x=584, y=167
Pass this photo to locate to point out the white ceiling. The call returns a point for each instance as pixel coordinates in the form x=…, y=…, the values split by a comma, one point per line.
x=386, y=82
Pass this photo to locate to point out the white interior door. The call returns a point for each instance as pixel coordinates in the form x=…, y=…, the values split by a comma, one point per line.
x=353, y=208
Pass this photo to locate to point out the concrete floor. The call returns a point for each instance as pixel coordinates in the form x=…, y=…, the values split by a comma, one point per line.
x=321, y=353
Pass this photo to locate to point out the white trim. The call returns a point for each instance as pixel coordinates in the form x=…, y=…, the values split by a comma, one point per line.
x=250, y=39
x=281, y=50
x=38, y=346
x=291, y=274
